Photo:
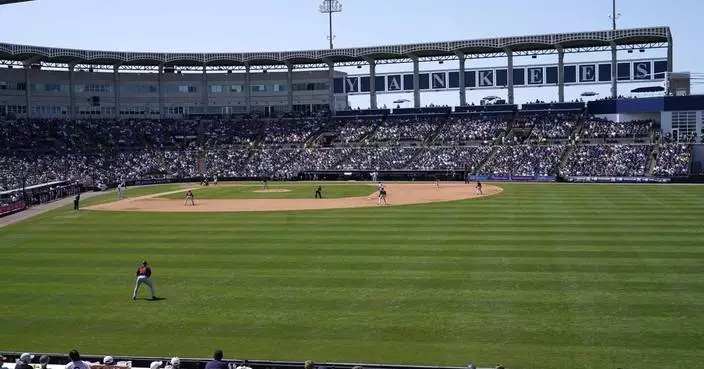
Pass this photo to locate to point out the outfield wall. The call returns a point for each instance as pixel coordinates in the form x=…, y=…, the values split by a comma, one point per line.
x=58, y=361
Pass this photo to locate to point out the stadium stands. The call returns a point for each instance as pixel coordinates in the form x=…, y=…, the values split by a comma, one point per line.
x=103, y=152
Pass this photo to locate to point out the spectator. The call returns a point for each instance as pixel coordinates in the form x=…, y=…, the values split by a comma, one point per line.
x=217, y=362
x=245, y=365
x=308, y=365
x=44, y=361
x=108, y=360
x=2, y=362
x=156, y=364
x=76, y=362
x=174, y=363
x=24, y=361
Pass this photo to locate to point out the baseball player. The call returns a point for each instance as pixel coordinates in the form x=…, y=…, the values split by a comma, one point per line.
x=120, y=189
x=319, y=192
x=189, y=197
x=382, y=196
x=144, y=274
x=479, y=188
x=215, y=180
x=437, y=183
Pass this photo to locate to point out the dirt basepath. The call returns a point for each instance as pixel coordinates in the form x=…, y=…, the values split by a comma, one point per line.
x=397, y=194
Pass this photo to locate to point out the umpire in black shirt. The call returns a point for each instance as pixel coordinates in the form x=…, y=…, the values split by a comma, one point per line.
x=76, y=201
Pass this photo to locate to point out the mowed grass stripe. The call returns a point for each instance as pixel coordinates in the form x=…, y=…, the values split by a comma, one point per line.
x=541, y=276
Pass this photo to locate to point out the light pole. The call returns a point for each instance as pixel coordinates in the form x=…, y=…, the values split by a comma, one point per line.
x=329, y=7
x=614, y=15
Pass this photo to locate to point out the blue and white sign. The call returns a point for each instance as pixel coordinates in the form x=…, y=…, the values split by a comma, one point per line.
x=486, y=78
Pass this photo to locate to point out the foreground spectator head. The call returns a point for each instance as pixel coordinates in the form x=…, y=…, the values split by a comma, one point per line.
x=308, y=364
x=155, y=364
x=26, y=358
x=175, y=362
x=44, y=361
x=2, y=360
x=471, y=366
x=74, y=355
x=217, y=355
x=108, y=360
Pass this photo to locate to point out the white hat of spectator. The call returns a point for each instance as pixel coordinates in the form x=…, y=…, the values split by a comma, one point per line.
x=175, y=361
x=155, y=364
x=26, y=357
x=108, y=360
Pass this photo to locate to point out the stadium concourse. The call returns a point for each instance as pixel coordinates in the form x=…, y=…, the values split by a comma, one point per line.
x=101, y=153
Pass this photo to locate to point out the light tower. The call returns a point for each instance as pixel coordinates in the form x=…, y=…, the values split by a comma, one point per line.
x=614, y=15
x=329, y=7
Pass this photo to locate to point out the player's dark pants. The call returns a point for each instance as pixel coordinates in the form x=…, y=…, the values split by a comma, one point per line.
x=75, y=205
x=318, y=195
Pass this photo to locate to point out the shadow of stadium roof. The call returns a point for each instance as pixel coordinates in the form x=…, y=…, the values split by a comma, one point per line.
x=5, y=2
x=525, y=44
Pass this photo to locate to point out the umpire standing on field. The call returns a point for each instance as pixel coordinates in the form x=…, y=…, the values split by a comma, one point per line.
x=319, y=193
x=76, y=201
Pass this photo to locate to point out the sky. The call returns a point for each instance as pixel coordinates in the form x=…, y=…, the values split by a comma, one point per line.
x=282, y=25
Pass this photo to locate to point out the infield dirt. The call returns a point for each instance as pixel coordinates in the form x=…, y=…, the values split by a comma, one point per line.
x=397, y=194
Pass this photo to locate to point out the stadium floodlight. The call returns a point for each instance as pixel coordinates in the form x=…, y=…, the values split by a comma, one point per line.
x=330, y=7
x=614, y=15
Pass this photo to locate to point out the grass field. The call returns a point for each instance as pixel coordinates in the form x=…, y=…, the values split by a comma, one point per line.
x=542, y=276
x=294, y=191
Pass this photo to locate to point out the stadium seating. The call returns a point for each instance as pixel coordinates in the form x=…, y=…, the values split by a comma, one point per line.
x=102, y=152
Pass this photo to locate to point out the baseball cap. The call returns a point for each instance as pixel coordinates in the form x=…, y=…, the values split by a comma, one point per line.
x=175, y=361
x=108, y=360
x=44, y=359
x=155, y=364
x=26, y=357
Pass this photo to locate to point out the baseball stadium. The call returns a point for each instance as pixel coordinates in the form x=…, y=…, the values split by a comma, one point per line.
x=394, y=206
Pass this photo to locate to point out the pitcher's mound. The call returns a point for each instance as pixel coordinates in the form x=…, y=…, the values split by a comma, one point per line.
x=273, y=190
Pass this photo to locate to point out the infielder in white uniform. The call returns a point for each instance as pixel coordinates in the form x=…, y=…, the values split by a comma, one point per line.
x=144, y=276
x=120, y=189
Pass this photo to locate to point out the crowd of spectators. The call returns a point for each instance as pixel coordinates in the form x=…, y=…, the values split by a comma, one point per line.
x=378, y=158
x=459, y=130
x=524, y=160
x=548, y=126
x=291, y=131
x=673, y=160
x=450, y=158
x=608, y=160
x=606, y=129
x=404, y=130
x=103, y=152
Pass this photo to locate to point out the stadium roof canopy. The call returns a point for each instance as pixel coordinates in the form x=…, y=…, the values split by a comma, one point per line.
x=638, y=38
x=5, y=2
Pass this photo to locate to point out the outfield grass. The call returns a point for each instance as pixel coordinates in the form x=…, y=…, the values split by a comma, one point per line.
x=543, y=276
x=294, y=191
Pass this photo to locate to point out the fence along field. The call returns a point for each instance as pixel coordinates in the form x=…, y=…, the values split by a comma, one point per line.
x=542, y=276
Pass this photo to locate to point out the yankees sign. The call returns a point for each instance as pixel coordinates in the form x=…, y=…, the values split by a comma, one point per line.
x=523, y=76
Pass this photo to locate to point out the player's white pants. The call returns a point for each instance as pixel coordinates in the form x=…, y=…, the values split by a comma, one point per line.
x=187, y=199
x=143, y=279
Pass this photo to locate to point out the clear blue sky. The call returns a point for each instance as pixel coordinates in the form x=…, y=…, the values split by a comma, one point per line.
x=278, y=25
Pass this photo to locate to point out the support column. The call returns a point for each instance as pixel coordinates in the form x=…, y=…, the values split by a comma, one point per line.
x=416, y=82
x=289, y=86
x=372, y=83
x=116, y=89
x=71, y=91
x=560, y=74
x=670, y=66
x=160, y=89
x=28, y=88
x=331, y=88
x=247, y=89
x=463, y=85
x=206, y=91
x=614, y=72
x=509, y=75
